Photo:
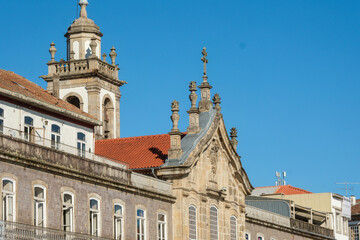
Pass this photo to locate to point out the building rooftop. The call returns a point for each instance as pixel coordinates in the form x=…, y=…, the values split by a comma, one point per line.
x=138, y=152
x=285, y=189
x=19, y=88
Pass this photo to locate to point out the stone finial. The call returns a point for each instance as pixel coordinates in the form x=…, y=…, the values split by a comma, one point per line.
x=52, y=51
x=233, y=135
x=175, y=134
x=194, y=111
x=175, y=115
x=104, y=57
x=205, y=103
x=83, y=4
x=93, y=45
x=193, y=96
x=216, y=100
x=72, y=55
x=113, y=55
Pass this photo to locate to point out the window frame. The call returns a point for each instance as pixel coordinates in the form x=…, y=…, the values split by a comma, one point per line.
x=29, y=129
x=233, y=217
x=121, y=218
x=141, y=235
x=196, y=225
x=217, y=222
x=260, y=235
x=72, y=210
x=162, y=226
x=81, y=144
x=55, y=143
x=39, y=200
x=2, y=118
x=5, y=196
x=92, y=213
x=249, y=235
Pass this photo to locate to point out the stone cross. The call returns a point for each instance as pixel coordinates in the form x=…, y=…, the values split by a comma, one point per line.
x=204, y=59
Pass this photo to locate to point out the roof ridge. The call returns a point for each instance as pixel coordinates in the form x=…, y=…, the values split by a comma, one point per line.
x=132, y=138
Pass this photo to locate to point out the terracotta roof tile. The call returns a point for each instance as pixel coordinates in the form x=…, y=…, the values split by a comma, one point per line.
x=138, y=152
x=355, y=209
x=16, y=83
x=289, y=190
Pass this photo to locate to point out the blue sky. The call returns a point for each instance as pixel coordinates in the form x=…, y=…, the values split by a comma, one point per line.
x=287, y=72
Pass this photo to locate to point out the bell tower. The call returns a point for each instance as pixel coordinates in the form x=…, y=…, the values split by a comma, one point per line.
x=84, y=79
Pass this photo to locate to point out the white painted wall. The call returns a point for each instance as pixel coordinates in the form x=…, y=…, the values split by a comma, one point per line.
x=14, y=119
x=336, y=207
x=79, y=90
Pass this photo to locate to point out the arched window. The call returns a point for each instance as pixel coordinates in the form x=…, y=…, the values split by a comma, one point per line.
x=39, y=206
x=233, y=233
x=74, y=101
x=192, y=223
x=260, y=236
x=1, y=120
x=55, y=136
x=214, y=235
x=29, y=129
x=81, y=144
x=118, y=222
x=68, y=211
x=8, y=195
x=247, y=236
x=94, y=217
x=162, y=227
x=140, y=224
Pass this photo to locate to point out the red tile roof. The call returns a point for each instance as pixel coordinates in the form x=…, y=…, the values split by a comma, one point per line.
x=138, y=152
x=16, y=83
x=355, y=209
x=289, y=190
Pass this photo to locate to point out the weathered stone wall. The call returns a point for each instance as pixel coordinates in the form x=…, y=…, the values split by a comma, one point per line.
x=29, y=164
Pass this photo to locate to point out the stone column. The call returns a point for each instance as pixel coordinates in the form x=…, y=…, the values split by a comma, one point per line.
x=175, y=134
x=194, y=111
x=93, y=91
x=117, y=115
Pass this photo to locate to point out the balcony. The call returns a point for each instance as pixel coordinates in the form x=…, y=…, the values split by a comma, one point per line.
x=12, y=230
x=311, y=228
x=38, y=140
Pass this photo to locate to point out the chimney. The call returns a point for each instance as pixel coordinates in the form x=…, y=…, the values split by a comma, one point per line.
x=194, y=111
x=175, y=134
x=352, y=200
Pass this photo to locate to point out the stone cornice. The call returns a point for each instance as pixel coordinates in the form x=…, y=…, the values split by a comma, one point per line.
x=20, y=152
x=290, y=230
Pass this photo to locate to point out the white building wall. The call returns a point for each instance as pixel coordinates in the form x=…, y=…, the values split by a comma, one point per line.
x=336, y=208
x=14, y=124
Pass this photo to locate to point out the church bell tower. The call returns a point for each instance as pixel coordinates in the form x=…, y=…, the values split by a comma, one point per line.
x=85, y=79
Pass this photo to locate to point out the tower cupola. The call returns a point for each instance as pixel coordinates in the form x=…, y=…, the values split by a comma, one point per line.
x=80, y=33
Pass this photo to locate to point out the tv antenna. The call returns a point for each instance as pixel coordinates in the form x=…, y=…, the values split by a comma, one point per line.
x=280, y=181
x=346, y=186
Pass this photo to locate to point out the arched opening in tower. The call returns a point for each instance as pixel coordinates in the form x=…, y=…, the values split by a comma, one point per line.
x=74, y=101
x=108, y=119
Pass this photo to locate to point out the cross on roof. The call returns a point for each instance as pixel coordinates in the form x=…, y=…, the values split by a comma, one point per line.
x=204, y=59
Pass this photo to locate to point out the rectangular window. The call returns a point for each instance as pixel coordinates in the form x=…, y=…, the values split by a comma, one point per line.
x=94, y=217
x=338, y=222
x=8, y=199
x=55, y=136
x=345, y=225
x=1, y=125
x=39, y=206
x=67, y=212
x=81, y=144
x=118, y=222
x=161, y=227
x=140, y=224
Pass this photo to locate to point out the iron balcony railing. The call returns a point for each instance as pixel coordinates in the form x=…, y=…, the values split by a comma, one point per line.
x=36, y=138
x=13, y=230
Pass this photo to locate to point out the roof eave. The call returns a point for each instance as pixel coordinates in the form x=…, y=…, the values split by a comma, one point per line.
x=49, y=107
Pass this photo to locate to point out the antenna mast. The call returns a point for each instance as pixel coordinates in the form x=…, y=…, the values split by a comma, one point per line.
x=346, y=186
x=280, y=181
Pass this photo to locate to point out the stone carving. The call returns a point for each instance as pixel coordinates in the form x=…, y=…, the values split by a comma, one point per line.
x=193, y=96
x=175, y=115
x=233, y=135
x=194, y=111
x=214, y=156
x=216, y=99
x=83, y=4
x=204, y=59
x=93, y=47
x=52, y=51
x=205, y=103
x=175, y=134
x=113, y=55
x=104, y=57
